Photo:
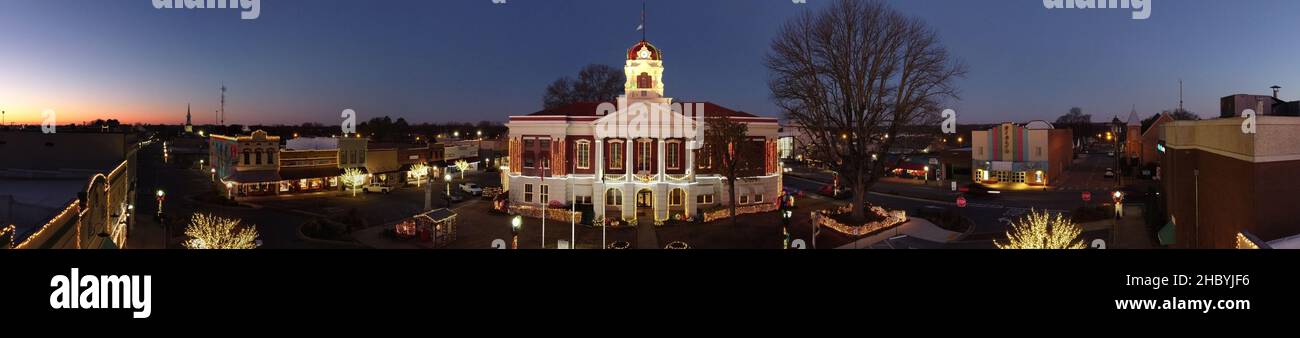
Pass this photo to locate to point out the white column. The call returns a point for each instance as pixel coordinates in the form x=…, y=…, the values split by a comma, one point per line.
x=662, y=163
x=600, y=161
x=690, y=163
x=629, y=144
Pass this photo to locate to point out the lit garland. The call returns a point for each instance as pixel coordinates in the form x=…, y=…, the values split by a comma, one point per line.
x=677, y=245
x=1041, y=230
x=725, y=212
x=10, y=231
x=555, y=214
x=71, y=209
x=1245, y=243
x=212, y=232
x=892, y=219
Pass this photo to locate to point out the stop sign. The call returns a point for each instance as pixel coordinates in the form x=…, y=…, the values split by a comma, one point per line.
x=1087, y=196
x=961, y=201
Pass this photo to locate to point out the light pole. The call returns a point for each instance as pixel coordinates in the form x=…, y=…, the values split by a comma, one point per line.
x=447, y=178
x=213, y=171
x=230, y=190
x=161, y=197
x=515, y=224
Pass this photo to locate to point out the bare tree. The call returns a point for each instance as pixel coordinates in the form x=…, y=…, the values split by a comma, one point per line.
x=725, y=141
x=595, y=83
x=854, y=74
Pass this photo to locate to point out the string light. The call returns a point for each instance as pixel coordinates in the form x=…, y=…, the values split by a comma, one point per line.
x=891, y=219
x=1042, y=230
x=212, y=232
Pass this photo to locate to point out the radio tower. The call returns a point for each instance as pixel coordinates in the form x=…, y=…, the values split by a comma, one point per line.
x=222, y=117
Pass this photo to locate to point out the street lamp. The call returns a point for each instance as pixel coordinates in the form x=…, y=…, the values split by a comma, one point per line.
x=161, y=197
x=447, y=178
x=515, y=224
x=230, y=190
x=1119, y=204
x=927, y=174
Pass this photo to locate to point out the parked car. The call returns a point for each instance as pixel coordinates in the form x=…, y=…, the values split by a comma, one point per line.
x=471, y=188
x=376, y=187
x=455, y=198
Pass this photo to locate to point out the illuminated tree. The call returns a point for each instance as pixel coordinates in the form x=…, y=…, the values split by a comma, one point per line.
x=419, y=172
x=1042, y=230
x=463, y=166
x=212, y=232
x=353, y=179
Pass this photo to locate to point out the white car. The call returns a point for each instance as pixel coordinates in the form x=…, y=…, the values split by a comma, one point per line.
x=471, y=188
x=375, y=187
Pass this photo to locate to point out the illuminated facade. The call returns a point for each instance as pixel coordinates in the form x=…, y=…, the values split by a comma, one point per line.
x=636, y=162
x=1035, y=153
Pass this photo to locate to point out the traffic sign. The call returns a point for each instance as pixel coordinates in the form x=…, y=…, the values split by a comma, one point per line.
x=1087, y=196
x=961, y=201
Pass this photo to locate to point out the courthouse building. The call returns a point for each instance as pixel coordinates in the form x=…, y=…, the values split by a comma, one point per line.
x=637, y=162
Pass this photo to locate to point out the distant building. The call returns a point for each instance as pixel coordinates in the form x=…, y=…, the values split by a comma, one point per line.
x=67, y=190
x=1149, y=144
x=1220, y=182
x=1035, y=153
x=247, y=165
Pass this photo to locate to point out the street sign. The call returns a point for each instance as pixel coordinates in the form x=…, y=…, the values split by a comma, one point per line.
x=1087, y=196
x=961, y=201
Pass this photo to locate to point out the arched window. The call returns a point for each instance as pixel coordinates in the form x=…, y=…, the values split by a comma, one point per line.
x=248, y=157
x=258, y=155
x=644, y=81
x=613, y=197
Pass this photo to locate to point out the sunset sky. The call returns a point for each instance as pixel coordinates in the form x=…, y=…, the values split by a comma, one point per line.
x=471, y=60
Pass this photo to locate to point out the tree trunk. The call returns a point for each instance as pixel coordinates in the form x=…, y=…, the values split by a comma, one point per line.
x=858, y=208
x=731, y=189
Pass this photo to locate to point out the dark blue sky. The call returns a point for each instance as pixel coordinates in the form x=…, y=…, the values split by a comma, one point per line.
x=471, y=60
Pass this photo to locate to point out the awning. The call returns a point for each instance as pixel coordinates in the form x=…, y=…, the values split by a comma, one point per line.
x=401, y=169
x=299, y=173
x=1167, y=234
x=255, y=176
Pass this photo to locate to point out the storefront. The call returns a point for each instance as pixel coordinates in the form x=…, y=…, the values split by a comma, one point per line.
x=309, y=179
x=252, y=183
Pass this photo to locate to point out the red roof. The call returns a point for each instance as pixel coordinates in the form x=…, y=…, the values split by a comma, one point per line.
x=655, y=54
x=589, y=109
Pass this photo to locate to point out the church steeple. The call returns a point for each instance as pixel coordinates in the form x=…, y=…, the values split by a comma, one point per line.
x=189, y=126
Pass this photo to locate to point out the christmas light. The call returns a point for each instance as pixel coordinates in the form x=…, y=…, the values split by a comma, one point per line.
x=353, y=179
x=212, y=232
x=1042, y=230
